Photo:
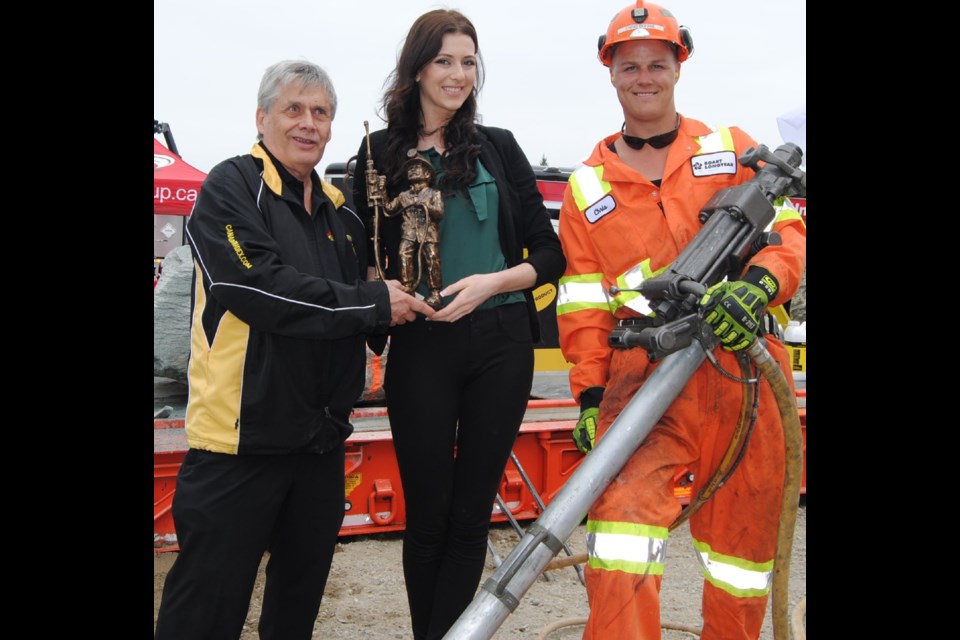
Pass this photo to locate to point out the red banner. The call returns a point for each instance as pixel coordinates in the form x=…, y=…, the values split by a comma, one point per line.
x=801, y=206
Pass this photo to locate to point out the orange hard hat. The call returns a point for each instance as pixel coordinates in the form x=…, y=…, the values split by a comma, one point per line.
x=644, y=20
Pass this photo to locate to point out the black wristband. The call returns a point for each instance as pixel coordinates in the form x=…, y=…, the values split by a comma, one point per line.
x=590, y=398
x=760, y=277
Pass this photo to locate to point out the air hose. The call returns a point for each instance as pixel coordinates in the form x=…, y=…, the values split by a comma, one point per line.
x=793, y=458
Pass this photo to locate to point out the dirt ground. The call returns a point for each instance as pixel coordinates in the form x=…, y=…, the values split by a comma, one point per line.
x=365, y=597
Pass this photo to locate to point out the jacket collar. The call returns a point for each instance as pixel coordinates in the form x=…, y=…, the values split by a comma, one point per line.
x=275, y=176
x=682, y=149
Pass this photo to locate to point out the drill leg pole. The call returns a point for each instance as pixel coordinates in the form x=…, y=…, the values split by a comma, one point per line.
x=539, y=500
x=500, y=594
x=516, y=527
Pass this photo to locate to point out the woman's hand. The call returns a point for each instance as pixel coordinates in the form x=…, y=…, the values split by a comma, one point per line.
x=476, y=289
x=471, y=291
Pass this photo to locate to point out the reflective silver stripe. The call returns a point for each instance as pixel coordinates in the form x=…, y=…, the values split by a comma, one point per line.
x=632, y=279
x=580, y=292
x=639, y=304
x=626, y=547
x=736, y=576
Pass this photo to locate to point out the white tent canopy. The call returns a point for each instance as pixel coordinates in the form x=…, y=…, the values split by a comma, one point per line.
x=793, y=128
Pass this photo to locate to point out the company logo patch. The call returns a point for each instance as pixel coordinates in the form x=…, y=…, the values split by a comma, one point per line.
x=596, y=211
x=711, y=164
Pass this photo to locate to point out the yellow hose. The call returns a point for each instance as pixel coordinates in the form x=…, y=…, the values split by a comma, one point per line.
x=793, y=453
x=799, y=620
x=560, y=624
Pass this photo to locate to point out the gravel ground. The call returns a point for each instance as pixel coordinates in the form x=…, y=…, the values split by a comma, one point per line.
x=365, y=597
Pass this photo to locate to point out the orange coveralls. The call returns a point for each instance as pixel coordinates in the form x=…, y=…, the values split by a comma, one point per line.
x=617, y=227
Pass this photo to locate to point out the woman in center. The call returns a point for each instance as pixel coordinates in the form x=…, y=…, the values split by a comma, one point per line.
x=457, y=386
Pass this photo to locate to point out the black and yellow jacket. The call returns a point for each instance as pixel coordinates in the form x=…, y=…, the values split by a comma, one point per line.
x=280, y=312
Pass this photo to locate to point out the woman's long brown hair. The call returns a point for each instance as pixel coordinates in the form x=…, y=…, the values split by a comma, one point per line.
x=401, y=103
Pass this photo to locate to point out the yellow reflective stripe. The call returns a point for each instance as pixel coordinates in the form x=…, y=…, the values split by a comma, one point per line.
x=628, y=528
x=727, y=138
x=576, y=293
x=624, y=546
x=738, y=577
x=587, y=186
x=636, y=568
x=789, y=214
x=786, y=211
x=720, y=140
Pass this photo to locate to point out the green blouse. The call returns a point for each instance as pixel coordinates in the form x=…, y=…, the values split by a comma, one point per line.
x=469, y=238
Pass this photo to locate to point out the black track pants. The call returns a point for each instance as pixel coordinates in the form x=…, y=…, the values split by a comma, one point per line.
x=227, y=511
x=460, y=386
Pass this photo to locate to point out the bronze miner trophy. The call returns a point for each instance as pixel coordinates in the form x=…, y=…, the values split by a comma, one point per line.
x=422, y=209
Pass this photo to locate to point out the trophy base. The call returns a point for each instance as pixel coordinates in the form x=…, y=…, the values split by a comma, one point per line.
x=434, y=300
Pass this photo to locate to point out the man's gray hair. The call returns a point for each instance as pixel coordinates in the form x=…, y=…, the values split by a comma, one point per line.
x=279, y=75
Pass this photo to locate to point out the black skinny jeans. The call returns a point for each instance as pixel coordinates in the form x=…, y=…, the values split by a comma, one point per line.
x=454, y=388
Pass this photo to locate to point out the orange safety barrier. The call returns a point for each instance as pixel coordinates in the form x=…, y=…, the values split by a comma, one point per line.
x=373, y=499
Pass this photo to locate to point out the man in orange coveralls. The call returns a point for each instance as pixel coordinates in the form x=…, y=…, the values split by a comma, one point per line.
x=626, y=215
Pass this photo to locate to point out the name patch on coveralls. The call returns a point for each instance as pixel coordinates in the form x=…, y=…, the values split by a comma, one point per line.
x=711, y=164
x=599, y=209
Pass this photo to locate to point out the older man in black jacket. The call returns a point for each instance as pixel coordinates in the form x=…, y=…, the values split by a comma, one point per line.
x=281, y=313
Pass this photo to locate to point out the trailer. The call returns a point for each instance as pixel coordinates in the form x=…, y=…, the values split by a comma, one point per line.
x=544, y=458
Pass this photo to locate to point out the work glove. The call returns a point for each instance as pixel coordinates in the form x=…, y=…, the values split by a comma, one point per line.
x=585, y=433
x=735, y=309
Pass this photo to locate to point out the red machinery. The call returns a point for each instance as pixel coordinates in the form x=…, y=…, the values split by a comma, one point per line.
x=374, y=494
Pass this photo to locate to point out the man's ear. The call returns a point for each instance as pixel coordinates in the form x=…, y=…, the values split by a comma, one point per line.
x=260, y=115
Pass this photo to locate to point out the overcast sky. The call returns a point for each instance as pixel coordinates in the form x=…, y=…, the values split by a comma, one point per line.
x=543, y=79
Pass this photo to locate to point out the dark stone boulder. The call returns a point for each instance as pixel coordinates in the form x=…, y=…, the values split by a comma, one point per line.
x=171, y=316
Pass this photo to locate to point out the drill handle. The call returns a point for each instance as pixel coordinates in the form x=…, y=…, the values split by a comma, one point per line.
x=374, y=187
